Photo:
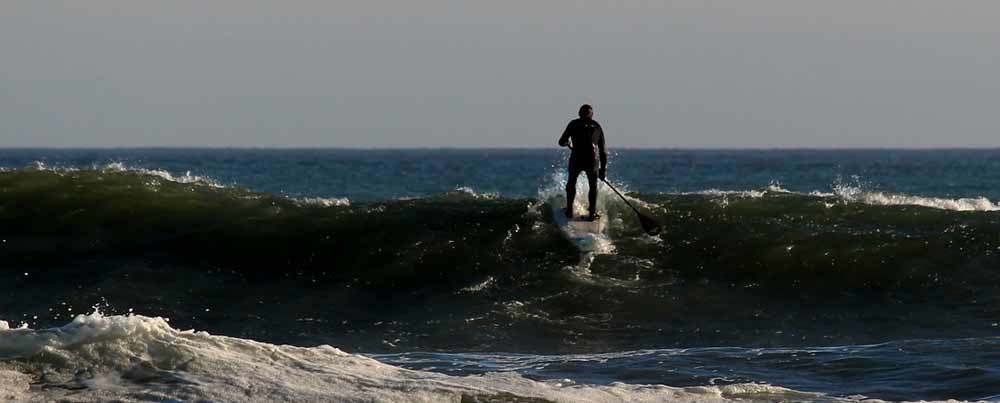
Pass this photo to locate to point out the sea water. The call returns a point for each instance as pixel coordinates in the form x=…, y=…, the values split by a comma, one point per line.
x=438, y=275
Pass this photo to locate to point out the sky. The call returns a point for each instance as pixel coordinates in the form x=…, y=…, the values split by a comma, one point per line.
x=512, y=73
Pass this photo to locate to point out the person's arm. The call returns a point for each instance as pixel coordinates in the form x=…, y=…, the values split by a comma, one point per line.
x=603, y=173
x=564, y=139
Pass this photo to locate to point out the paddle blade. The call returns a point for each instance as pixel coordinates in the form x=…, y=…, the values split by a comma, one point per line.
x=649, y=225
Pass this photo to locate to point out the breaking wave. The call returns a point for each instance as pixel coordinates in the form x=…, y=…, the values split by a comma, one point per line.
x=137, y=358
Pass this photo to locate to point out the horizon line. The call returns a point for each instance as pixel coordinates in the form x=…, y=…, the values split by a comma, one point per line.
x=503, y=148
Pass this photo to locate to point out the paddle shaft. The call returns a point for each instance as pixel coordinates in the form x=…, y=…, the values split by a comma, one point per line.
x=620, y=195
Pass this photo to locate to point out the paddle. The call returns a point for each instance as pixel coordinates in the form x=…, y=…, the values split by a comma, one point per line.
x=648, y=223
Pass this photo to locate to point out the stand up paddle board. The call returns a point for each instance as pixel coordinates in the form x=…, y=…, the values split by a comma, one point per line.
x=588, y=236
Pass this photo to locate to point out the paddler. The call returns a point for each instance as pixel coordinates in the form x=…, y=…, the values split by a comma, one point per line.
x=585, y=138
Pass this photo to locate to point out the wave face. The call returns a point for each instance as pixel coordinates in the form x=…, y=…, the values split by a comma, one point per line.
x=464, y=271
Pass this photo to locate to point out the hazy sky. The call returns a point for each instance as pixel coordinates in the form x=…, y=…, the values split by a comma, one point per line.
x=511, y=73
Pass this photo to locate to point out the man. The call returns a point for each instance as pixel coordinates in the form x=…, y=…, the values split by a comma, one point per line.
x=585, y=138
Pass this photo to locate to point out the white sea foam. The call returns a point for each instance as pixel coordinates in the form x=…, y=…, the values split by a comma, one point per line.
x=554, y=192
x=468, y=191
x=773, y=187
x=135, y=358
x=489, y=282
x=321, y=201
x=188, y=178
x=163, y=174
x=122, y=167
x=858, y=195
x=14, y=386
x=42, y=166
x=752, y=194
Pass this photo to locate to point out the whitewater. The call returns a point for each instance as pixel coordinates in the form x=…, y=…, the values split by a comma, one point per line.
x=137, y=358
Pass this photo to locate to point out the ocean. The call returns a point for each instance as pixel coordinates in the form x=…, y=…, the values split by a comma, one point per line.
x=436, y=275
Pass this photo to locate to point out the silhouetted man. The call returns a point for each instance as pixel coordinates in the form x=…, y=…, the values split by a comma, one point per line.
x=585, y=138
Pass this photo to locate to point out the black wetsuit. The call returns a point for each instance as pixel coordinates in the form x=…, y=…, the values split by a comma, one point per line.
x=588, y=156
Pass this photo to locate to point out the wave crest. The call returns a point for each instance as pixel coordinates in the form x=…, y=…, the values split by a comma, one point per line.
x=858, y=195
x=133, y=358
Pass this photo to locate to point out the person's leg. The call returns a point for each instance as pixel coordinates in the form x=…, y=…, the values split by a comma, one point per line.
x=592, y=195
x=571, y=190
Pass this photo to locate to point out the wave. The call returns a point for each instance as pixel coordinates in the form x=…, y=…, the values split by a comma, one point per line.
x=774, y=236
x=844, y=193
x=484, y=262
x=470, y=192
x=857, y=195
x=121, y=167
x=137, y=358
x=772, y=188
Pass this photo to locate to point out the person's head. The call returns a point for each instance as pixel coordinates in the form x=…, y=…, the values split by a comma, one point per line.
x=586, y=111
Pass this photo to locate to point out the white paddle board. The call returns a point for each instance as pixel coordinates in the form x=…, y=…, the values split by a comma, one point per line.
x=588, y=236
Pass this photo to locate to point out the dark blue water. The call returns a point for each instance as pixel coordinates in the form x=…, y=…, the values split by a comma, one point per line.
x=842, y=272
x=367, y=175
x=931, y=369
